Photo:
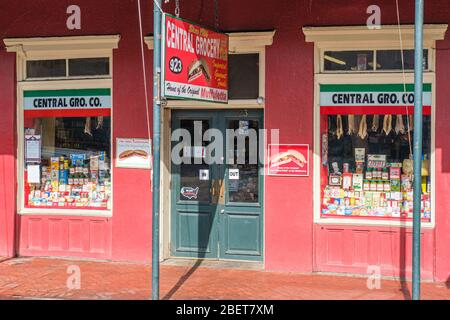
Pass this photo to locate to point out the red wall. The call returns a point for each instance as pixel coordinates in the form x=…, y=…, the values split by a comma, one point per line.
x=7, y=152
x=127, y=236
x=289, y=99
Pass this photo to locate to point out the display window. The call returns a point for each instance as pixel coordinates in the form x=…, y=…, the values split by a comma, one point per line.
x=366, y=151
x=64, y=124
x=67, y=149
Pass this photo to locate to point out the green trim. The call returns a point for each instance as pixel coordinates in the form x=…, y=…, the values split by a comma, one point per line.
x=371, y=87
x=67, y=93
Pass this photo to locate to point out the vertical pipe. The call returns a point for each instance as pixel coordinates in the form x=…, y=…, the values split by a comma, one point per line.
x=156, y=146
x=418, y=123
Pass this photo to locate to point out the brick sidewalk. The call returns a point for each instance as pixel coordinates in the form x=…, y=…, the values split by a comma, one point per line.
x=46, y=279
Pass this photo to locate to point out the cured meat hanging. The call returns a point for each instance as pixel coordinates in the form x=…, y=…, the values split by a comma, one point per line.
x=351, y=125
x=387, y=124
x=340, y=127
x=410, y=123
x=100, y=121
x=88, y=126
x=399, y=125
x=362, y=133
x=375, y=123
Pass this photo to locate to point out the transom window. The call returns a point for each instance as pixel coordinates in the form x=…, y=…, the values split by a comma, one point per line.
x=243, y=76
x=68, y=68
x=371, y=60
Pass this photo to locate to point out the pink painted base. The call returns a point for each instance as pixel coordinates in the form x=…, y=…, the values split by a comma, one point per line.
x=350, y=249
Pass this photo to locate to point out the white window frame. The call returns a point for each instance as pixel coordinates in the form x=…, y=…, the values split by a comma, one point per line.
x=67, y=76
x=361, y=38
x=58, y=48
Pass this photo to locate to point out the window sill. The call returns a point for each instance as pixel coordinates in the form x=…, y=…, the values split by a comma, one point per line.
x=371, y=222
x=66, y=212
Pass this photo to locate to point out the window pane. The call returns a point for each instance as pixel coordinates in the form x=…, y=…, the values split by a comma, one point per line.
x=391, y=59
x=89, y=67
x=348, y=60
x=243, y=76
x=244, y=156
x=71, y=165
x=193, y=187
x=46, y=68
x=366, y=166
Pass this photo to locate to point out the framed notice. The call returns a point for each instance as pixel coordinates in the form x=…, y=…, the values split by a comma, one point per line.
x=33, y=148
x=195, y=61
x=288, y=160
x=133, y=153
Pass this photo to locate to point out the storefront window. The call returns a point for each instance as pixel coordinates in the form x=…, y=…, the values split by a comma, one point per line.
x=67, y=149
x=46, y=68
x=366, y=149
x=348, y=60
x=392, y=59
x=364, y=60
x=66, y=68
x=243, y=76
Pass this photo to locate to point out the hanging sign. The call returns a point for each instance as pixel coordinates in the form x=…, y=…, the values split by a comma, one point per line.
x=194, y=62
x=371, y=97
x=77, y=102
x=289, y=160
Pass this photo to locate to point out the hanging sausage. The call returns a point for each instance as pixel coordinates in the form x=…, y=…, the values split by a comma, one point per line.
x=339, y=127
x=410, y=122
x=88, y=126
x=362, y=133
x=387, y=124
x=99, y=123
x=399, y=125
x=351, y=125
x=375, y=123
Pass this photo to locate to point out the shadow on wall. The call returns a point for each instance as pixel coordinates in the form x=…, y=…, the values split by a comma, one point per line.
x=404, y=287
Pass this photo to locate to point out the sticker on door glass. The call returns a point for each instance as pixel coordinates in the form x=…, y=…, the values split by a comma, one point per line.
x=196, y=152
x=190, y=192
x=244, y=126
x=233, y=174
x=204, y=175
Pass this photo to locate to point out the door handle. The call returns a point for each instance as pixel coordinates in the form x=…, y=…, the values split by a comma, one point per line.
x=221, y=191
x=213, y=191
x=222, y=211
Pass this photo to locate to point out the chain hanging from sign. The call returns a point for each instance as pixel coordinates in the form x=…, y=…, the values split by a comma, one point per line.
x=177, y=7
x=216, y=15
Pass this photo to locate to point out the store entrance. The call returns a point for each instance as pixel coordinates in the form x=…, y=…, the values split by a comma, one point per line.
x=217, y=184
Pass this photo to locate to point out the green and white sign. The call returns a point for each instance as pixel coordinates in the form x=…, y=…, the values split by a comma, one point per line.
x=67, y=99
x=333, y=95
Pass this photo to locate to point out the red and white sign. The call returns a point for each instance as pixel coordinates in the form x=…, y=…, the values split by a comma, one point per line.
x=288, y=160
x=195, y=62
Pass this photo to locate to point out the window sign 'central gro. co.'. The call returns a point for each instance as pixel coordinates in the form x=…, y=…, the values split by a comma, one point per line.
x=77, y=102
x=195, y=62
x=374, y=98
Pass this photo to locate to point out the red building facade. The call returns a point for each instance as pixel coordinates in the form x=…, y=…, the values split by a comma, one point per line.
x=295, y=237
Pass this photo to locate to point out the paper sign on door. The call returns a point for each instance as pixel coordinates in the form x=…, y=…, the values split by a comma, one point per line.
x=233, y=174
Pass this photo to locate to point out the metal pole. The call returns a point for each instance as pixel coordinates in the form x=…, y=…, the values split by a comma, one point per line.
x=156, y=146
x=418, y=121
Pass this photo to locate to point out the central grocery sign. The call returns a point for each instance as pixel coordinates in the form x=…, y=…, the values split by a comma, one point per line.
x=195, y=62
x=73, y=102
x=375, y=95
